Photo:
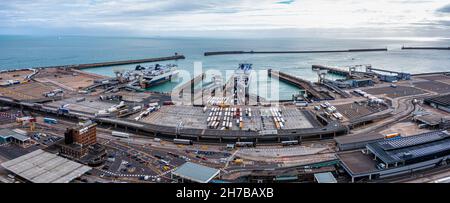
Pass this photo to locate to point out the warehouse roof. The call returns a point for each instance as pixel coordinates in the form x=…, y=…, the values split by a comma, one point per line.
x=358, y=138
x=325, y=177
x=443, y=100
x=196, y=172
x=43, y=167
x=431, y=119
x=407, y=148
x=7, y=133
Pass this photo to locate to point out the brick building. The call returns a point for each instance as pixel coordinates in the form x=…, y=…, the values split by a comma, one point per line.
x=77, y=140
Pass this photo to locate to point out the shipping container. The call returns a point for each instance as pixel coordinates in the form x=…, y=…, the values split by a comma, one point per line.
x=391, y=135
x=120, y=134
x=81, y=99
x=245, y=144
x=277, y=125
x=182, y=141
x=288, y=143
x=50, y=120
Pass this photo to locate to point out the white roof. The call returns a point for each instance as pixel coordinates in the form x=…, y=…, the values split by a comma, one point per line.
x=196, y=172
x=7, y=133
x=43, y=167
x=325, y=177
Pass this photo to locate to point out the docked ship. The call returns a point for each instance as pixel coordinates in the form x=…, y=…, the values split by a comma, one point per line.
x=241, y=80
x=146, y=77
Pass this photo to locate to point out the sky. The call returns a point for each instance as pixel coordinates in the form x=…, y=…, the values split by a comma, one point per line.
x=233, y=18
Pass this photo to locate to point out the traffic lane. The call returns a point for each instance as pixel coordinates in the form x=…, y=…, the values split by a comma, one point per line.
x=144, y=163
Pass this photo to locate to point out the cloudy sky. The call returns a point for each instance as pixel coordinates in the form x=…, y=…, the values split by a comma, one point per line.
x=225, y=17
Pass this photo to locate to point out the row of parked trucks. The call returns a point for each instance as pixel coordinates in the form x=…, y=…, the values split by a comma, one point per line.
x=330, y=110
x=371, y=98
x=25, y=119
x=253, y=144
x=277, y=118
x=229, y=114
x=10, y=82
x=152, y=107
x=30, y=119
x=120, y=109
x=53, y=93
x=215, y=101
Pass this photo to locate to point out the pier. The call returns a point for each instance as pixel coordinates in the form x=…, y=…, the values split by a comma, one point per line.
x=370, y=69
x=290, y=52
x=179, y=91
x=332, y=70
x=117, y=63
x=303, y=84
x=429, y=48
x=338, y=90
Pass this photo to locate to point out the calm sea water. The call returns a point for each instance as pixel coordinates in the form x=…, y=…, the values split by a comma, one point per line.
x=37, y=51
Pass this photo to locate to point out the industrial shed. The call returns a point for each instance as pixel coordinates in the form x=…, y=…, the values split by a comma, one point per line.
x=191, y=172
x=44, y=167
x=388, y=158
x=440, y=102
x=7, y=135
x=411, y=149
x=324, y=178
x=359, y=141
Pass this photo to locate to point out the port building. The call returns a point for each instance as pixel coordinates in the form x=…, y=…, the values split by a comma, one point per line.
x=11, y=136
x=433, y=121
x=326, y=177
x=399, y=156
x=77, y=140
x=44, y=167
x=194, y=173
x=440, y=102
x=351, y=142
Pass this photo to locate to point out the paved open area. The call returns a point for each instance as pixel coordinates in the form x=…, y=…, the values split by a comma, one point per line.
x=435, y=77
x=12, y=151
x=296, y=119
x=394, y=92
x=260, y=118
x=18, y=75
x=174, y=115
x=358, y=162
x=282, y=151
x=69, y=79
x=405, y=129
x=354, y=111
x=27, y=91
x=434, y=86
x=90, y=105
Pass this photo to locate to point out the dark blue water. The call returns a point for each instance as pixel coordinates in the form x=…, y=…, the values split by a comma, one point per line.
x=37, y=51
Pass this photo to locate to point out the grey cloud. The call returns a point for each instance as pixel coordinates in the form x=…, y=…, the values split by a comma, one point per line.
x=445, y=23
x=445, y=9
x=82, y=16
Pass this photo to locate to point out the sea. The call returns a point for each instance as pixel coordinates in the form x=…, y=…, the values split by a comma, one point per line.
x=40, y=51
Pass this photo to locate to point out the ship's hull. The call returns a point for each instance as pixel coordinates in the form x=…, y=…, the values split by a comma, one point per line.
x=159, y=80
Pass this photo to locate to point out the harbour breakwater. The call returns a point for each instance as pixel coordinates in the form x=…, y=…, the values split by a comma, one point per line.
x=290, y=52
x=430, y=48
x=116, y=63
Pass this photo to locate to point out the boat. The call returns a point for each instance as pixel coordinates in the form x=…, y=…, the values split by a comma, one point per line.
x=146, y=77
